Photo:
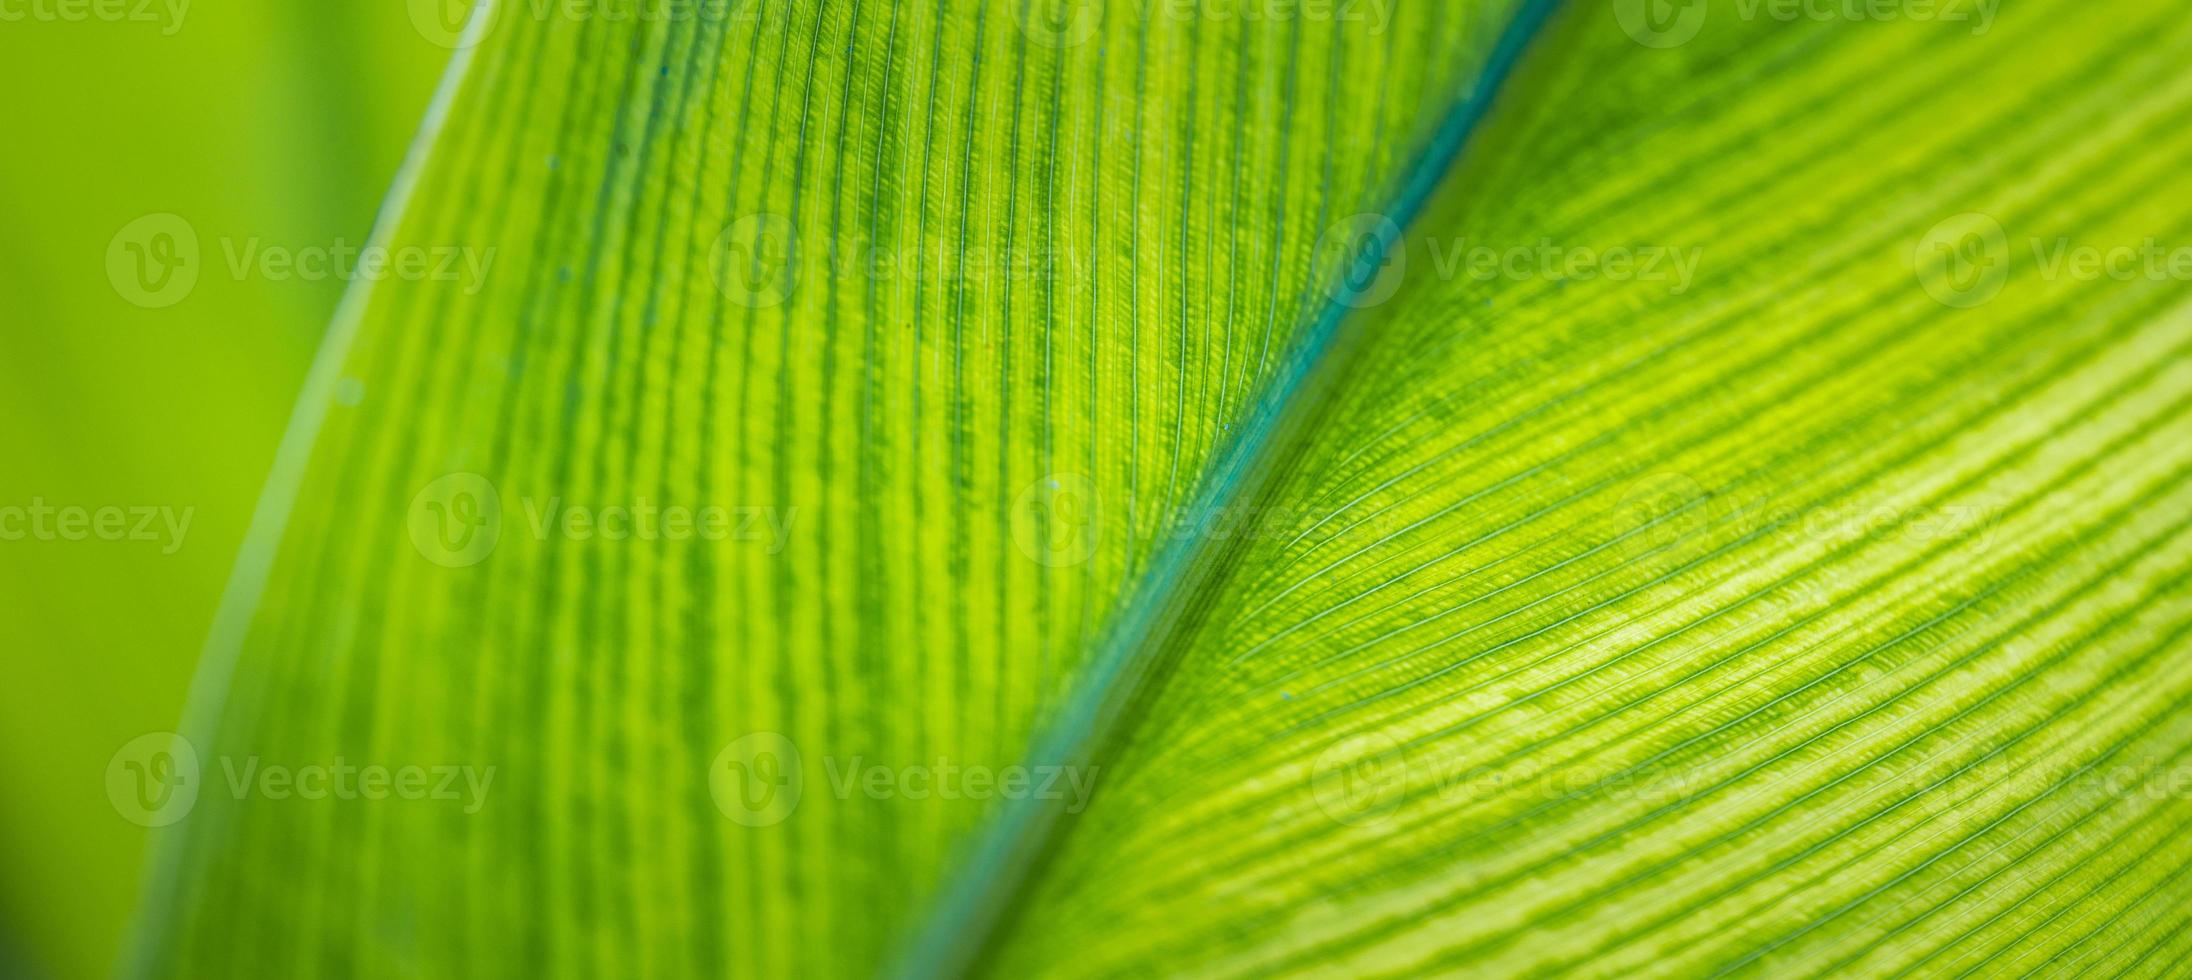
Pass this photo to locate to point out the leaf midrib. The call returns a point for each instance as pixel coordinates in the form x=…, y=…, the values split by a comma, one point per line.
x=977, y=902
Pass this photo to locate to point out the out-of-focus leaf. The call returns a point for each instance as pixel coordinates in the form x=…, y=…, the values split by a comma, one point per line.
x=253, y=121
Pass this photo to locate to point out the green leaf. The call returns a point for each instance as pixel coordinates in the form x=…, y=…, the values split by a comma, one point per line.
x=1483, y=489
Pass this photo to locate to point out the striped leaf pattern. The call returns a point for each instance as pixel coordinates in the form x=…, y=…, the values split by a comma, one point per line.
x=1099, y=489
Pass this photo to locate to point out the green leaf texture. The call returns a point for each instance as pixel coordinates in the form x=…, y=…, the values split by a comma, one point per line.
x=1725, y=527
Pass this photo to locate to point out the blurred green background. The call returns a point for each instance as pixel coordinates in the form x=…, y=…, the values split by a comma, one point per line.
x=252, y=120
